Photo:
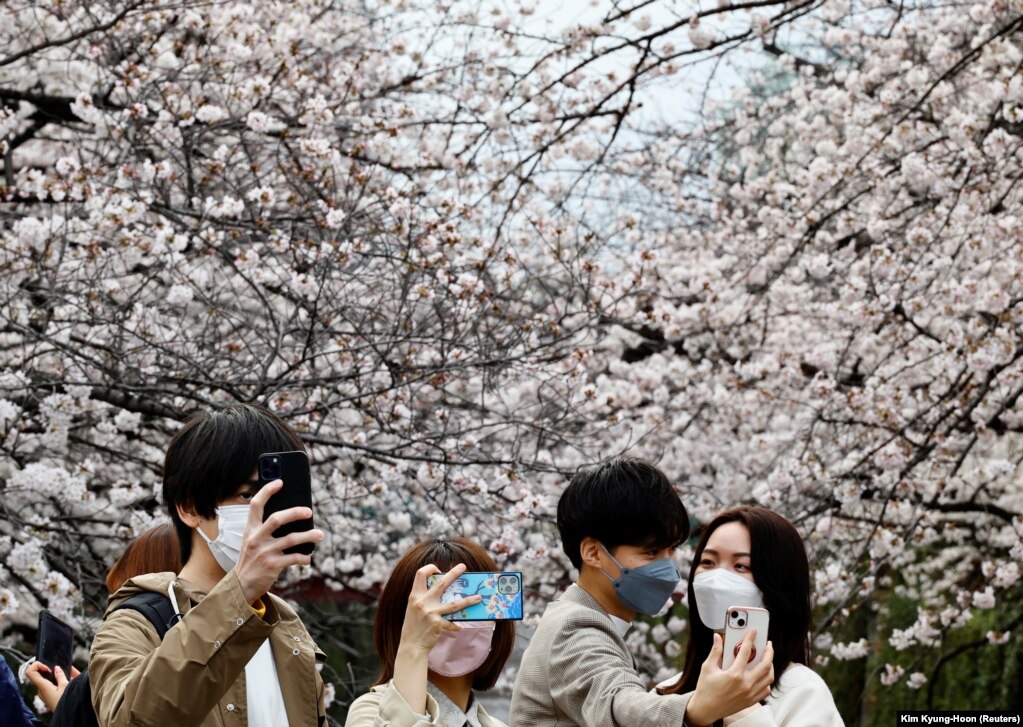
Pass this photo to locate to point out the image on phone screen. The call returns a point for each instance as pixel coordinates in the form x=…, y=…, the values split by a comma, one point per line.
x=501, y=592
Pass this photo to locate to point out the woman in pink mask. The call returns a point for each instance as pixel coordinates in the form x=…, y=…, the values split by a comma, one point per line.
x=431, y=667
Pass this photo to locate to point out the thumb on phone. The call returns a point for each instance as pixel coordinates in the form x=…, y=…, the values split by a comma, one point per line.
x=716, y=648
x=61, y=677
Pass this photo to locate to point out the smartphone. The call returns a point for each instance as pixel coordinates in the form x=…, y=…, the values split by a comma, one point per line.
x=293, y=469
x=738, y=621
x=501, y=591
x=55, y=645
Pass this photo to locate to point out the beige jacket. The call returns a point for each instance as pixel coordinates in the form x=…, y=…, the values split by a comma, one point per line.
x=195, y=677
x=577, y=670
x=383, y=706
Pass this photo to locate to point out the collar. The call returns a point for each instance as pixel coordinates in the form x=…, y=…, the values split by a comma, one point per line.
x=449, y=713
x=577, y=594
x=621, y=625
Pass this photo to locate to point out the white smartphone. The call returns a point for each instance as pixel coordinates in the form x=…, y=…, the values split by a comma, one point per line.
x=738, y=621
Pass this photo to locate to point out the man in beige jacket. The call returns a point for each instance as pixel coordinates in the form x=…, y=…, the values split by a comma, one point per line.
x=237, y=655
x=620, y=524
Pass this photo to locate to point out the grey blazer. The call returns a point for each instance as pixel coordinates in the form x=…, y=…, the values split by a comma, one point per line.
x=577, y=670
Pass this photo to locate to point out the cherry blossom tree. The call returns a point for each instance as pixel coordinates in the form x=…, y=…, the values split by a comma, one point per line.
x=834, y=331
x=464, y=254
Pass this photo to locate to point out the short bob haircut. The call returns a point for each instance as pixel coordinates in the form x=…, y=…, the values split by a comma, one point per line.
x=155, y=551
x=213, y=454
x=625, y=501
x=390, y=616
x=781, y=572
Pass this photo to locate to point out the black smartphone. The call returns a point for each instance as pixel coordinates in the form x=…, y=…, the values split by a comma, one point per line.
x=293, y=469
x=55, y=645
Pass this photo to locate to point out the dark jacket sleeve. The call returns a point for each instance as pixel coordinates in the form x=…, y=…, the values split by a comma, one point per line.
x=13, y=710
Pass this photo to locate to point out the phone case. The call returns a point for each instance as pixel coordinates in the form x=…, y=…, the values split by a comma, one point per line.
x=293, y=469
x=501, y=591
x=56, y=643
x=739, y=620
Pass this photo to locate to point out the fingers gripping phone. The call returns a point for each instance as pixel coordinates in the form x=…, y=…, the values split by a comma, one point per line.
x=738, y=621
x=55, y=645
x=293, y=469
x=501, y=593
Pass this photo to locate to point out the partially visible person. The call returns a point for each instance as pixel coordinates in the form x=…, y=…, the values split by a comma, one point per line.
x=234, y=654
x=620, y=524
x=157, y=550
x=431, y=668
x=13, y=710
x=154, y=551
x=752, y=556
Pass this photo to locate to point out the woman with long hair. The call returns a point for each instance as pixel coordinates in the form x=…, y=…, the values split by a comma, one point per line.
x=754, y=557
x=431, y=668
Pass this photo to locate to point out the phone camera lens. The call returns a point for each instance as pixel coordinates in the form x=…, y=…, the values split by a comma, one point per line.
x=742, y=622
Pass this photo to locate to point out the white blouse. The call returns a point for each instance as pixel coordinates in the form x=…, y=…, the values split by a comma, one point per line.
x=799, y=699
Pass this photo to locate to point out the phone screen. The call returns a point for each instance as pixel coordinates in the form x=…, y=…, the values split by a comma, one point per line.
x=56, y=643
x=293, y=469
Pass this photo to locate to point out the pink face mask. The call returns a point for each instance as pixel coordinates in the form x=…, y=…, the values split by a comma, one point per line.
x=462, y=652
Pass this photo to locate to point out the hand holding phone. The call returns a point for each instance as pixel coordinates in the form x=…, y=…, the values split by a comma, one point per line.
x=293, y=469
x=738, y=621
x=55, y=645
x=501, y=592
x=263, y=557
x=721, y=692
x=49, y=683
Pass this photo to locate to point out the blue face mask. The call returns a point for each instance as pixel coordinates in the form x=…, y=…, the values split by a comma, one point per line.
x=645, y=589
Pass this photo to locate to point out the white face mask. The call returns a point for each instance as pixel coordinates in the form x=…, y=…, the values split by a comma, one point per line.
x=719, y=589
x=231, y=521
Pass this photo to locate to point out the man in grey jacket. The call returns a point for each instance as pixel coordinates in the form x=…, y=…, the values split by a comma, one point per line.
x=620, y=525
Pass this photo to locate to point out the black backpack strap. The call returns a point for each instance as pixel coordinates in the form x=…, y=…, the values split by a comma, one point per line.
x=157, y=609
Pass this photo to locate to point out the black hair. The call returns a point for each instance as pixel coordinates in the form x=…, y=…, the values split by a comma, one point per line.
x=625, y=501
x=213, y=454
x=782, y=573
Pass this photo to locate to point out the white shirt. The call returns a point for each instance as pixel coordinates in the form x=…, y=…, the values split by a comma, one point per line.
x=621, y=625
x=263, y=695
x=800, y=699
